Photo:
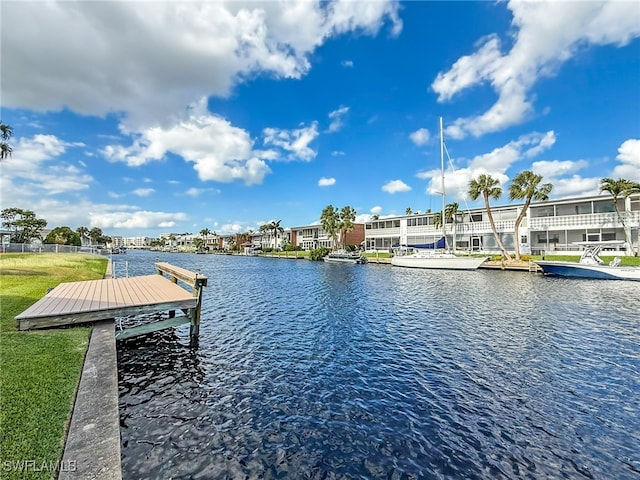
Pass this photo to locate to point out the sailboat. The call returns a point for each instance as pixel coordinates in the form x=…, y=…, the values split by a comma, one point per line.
x=437, y=257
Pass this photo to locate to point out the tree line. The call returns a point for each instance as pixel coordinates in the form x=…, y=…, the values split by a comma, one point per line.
x=24, y=227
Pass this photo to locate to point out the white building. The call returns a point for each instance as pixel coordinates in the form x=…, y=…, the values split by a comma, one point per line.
x=548, y=226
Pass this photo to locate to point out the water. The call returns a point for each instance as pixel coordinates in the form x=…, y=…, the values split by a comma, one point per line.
x=313, y=370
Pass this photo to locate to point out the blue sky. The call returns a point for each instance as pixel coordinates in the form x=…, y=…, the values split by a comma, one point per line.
x=144, y=118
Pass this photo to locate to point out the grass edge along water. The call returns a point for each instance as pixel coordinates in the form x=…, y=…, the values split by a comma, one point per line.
x=39, y=370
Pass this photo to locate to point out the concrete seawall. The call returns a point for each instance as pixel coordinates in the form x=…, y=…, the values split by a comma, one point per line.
x=92, y=449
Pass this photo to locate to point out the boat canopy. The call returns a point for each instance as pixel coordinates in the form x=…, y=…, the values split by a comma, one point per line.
x=425, y=246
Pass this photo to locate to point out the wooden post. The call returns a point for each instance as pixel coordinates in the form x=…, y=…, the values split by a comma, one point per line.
x=194, y=313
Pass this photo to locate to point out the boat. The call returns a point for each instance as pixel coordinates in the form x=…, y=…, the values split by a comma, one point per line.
x=435, y=255
x=342, y=256
x=591, y=265
x=412, y=257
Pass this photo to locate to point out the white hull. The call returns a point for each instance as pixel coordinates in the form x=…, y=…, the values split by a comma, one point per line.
x=579, y=270
x=441, y=261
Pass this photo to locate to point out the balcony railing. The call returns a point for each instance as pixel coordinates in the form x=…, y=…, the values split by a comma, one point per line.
x=593, y=220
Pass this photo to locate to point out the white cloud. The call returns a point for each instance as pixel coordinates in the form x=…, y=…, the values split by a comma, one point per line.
x=347, y=63
x=629, y=157
x=376, y=210
x=495, y=163
x=219, y=151
x=196, y=192
x=230, y=228
x=550, y=169
x=337, y=153
x=143, y=192
x=395, y=186
x=37, y=167
x=548, y=33
x=575, y=186
x=84, y=66
x=294, y=141
x=140, y=219
x=420, y=137
x=326, y=182
x=337, y=117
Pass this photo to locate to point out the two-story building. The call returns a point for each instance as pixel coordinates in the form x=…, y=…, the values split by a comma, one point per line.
x=313, y=236
x=548, y=226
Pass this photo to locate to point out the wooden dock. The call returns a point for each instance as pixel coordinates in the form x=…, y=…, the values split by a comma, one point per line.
x=88, y=301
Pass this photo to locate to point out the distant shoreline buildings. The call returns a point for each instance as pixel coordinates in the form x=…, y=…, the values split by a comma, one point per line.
x=548, y=227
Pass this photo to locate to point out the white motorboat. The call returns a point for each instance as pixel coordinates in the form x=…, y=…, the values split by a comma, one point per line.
x=591, y=265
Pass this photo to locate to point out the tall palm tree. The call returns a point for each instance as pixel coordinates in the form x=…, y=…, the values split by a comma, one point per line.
x=276, y=228
x=408, y=211
x=488, y=187
x=451, y=212
x=330, y=222
x=526, y=185
x=347, y=218
x=6, y=132
x=621, y=188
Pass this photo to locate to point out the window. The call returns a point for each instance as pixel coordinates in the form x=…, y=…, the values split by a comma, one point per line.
x=603, y=207
x=607, y=237
x=553, y=238
x=476, y=217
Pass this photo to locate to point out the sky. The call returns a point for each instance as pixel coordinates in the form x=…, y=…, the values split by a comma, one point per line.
x=143, y=118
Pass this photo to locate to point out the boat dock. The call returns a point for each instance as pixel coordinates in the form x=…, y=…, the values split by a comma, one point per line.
x=93, y=300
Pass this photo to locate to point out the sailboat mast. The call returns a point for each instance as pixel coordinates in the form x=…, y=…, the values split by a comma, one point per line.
x=444, y=234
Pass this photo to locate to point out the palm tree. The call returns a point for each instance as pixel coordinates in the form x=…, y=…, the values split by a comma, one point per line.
x=526, y=185
x=6, y=132
x=347, y=218
x=263, y=229
x=83, y=232
x=620, y=188
x=330, y=221
x=276, y=228
x=437, y=220
x=408, y=211
x=451, y=212
x=96, y=235
x=488, y=187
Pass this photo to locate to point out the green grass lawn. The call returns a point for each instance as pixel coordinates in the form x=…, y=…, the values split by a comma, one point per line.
x=39, y=370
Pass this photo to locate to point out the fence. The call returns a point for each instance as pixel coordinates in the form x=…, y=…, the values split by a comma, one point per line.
x=47, y=248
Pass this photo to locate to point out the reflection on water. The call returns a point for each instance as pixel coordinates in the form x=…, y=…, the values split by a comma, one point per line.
x=311, y=370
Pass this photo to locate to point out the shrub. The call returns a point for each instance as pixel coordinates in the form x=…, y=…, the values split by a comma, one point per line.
x=318, y=253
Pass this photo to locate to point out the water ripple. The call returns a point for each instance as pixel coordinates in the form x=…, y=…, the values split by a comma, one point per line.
x=307, y=370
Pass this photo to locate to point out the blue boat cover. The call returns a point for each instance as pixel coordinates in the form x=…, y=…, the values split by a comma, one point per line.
x=439, y=244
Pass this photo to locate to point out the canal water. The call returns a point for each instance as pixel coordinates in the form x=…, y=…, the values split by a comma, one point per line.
x=314, y=370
